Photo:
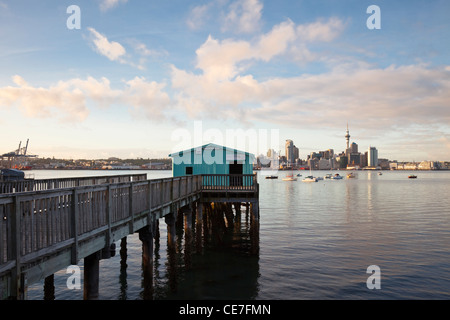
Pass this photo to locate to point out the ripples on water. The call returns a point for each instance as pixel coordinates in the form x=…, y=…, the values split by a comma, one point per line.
x=316, y=242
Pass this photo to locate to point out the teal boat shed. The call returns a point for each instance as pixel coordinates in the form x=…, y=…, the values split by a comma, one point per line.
x=212, y=159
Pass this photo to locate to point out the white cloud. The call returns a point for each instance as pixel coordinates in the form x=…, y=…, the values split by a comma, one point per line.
x=146, y=98
x=243, y=16
x=240, y=16
x=199, y=15
x=223, y=87
x=37, y=102
x=67, y=100
x=113, y=50
x=109, y=4
x=221, y=60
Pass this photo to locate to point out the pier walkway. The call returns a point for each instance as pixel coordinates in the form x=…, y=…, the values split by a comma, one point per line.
x=47, y=225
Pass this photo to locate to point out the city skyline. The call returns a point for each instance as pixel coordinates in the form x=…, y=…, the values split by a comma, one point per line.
x=134, y=72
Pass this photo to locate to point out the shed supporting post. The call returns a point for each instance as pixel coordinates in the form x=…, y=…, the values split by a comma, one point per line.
x=199, y=225
x=254, y=226
x=188, y=237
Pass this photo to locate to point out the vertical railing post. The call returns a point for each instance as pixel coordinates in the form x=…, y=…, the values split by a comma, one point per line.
x=108, y=216
x=130, y=202
x=74, y=226
x=149, y=218
x=16, y=285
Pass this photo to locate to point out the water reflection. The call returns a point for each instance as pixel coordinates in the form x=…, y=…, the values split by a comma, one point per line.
x=227, y=267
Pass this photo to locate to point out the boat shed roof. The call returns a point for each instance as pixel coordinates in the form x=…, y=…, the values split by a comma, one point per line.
x=211, y=145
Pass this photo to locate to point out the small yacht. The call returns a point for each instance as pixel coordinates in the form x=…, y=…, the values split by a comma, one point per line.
x=337, y=177
x=350, y=175
x=310, y=179
x=271, y=177
x=290, y=177
x=328, y=176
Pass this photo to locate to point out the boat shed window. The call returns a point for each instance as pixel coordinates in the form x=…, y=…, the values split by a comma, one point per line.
x=189, y=170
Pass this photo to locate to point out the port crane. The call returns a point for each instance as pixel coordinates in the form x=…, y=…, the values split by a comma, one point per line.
x=17, y=156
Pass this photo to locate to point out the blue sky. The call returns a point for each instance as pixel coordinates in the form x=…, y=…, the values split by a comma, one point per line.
x=139, y=78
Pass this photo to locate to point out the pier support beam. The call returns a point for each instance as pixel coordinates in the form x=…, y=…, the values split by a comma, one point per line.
x=187, y=212
x=49, y=287
x=146, y=236
x=91, y=276
x=123, y=268
x=199, y=225
x=171, y=220
x=254, y=227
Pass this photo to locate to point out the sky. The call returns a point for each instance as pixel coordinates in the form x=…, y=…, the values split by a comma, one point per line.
x=145, y=78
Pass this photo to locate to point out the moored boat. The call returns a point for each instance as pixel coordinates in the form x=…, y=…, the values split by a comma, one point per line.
x=309, y=179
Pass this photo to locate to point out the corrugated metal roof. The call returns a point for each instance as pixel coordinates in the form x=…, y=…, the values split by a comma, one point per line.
x=175, y=154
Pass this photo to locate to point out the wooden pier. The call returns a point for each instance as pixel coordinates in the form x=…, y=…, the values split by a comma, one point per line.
x=48, y=225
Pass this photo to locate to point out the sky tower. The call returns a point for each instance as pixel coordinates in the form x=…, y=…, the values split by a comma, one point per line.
x=347, y=137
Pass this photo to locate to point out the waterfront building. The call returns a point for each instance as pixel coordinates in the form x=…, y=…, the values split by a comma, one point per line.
x=372, y=157
x=211, y=159
x=292, y=152
x=326, y=164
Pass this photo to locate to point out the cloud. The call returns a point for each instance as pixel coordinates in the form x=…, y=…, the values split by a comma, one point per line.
x=240, y=16
x=147, y=99
x=223, y=89
x=113, y=50
x=243, y=16
x=44, y=102
x=109, y=4
x=68, y=100
x=369, y=96
x=225, y=59
x=198, y=16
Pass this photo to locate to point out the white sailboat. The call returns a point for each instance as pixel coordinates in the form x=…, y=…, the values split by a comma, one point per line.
x=310, y=178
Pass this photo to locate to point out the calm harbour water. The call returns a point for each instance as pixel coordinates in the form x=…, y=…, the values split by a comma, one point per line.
x=316, y=242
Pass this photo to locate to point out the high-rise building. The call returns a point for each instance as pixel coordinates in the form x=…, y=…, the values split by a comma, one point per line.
x=291, y=152
x=372, y=157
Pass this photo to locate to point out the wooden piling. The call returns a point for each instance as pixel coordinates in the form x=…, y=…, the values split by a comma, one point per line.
x=146, y=236
x=49, y=287
x=187, y=237
x=91, y=276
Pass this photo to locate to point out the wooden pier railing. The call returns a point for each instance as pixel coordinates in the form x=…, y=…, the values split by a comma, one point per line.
x=57, y=226
x=234, y=182
x=47, y=184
